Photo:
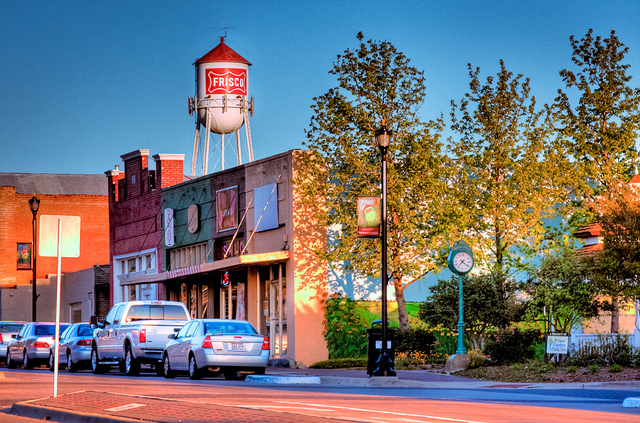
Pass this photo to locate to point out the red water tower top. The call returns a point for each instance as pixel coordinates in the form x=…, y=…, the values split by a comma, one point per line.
x=222, y=53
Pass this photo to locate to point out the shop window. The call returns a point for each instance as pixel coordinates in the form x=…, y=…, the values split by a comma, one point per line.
x=188, y=256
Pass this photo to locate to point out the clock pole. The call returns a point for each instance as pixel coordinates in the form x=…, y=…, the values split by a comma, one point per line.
x=461, y=349
x=460, y=262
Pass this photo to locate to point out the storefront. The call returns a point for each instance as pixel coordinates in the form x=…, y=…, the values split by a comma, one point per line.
x=225, y=245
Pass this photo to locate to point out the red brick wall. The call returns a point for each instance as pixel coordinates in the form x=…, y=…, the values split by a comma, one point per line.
x=168, y=173
x=16, y=225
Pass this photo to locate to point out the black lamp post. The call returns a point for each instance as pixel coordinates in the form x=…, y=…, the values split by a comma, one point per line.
x=34, y=204
x=385, y=365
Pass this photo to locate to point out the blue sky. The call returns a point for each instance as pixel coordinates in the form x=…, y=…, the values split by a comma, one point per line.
x=83, y=82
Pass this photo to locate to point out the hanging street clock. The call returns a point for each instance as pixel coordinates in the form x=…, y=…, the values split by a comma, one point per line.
x=460, y=258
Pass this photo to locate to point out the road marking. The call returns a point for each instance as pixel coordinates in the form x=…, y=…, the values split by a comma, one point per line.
x=125, y=407
x=384, y=412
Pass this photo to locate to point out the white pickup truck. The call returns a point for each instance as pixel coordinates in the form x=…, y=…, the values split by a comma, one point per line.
x=135, y=333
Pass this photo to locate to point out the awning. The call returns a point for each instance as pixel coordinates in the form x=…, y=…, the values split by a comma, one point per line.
x=226, y=264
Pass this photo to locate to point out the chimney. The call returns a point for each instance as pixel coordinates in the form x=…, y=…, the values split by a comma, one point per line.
x=168, y=169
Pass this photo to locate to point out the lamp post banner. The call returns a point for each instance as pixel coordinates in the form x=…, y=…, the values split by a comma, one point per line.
x=369, y=218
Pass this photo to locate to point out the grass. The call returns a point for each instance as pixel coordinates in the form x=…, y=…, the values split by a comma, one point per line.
x=371, y=311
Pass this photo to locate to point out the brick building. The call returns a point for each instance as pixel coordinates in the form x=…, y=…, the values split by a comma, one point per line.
x=59, y=194
x=232, y=244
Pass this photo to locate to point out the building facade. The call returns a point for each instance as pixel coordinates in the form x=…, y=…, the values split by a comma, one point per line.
x=232, y=244
x=59, y=194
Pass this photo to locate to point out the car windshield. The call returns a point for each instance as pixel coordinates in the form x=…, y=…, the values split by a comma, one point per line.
x=85, y=330
x=156, y=312
x=11, y=327
x=228, y=328
x=43, y=330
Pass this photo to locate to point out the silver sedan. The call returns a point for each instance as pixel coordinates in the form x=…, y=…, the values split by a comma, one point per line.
x=226, y=346
x=75, y=348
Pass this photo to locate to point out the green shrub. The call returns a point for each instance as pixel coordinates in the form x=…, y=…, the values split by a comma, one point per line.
x=511, y=346
x=615, y=368
x=593, y=368
x=477, y=358
x=572, y=369
x=340, y=363
x=607, y=351
x=345, y=330
x=414, y=340
x=544, y=368
x=516, y=366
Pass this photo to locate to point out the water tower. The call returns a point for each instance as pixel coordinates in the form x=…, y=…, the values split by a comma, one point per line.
x=221, y=103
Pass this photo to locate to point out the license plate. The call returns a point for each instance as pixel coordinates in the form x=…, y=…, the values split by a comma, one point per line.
x=237, y=346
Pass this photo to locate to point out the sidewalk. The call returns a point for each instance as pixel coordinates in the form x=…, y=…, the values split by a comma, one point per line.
x=102, y=407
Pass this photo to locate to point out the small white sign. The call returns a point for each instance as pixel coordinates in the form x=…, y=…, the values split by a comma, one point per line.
x=557, y=344
x=69, y=236
x=379, y=344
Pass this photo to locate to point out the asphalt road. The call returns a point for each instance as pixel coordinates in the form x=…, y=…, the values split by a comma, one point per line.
x=331, y=402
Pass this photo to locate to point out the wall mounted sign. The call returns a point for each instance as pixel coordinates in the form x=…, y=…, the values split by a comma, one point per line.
x=265, y=207
x=168, y=228
x=369, y=218
x=192, y=218
x=226, y=81
x=227, y=209
x=24, y=256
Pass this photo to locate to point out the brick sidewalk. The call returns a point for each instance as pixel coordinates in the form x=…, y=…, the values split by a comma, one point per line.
x=99, y=407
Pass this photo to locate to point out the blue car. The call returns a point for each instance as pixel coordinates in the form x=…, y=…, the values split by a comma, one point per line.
x=74, y=350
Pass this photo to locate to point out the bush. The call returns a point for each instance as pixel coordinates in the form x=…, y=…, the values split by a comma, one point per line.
x=345, y=330
x=615, y=368
x=414, y=340
x=512, y=346
x=340, y=363
x=593, y=368
x=572, y=369
x=477, y=358
x=607, y=351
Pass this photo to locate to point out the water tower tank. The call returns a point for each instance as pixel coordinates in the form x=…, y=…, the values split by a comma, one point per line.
x=222, y=86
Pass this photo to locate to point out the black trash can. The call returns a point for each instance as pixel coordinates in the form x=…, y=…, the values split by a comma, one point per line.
x=374, y=344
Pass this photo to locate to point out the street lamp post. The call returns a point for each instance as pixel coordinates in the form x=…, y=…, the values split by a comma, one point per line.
x=34, y=204
x=385, y=365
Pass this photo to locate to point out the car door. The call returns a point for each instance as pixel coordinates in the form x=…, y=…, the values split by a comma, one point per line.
x=63, y=345
x=17, y=347
x=118, y=334
x=104, y=335
x=181, y=348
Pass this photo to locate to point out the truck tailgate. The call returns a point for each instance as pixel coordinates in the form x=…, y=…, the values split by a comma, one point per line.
x=157, y=333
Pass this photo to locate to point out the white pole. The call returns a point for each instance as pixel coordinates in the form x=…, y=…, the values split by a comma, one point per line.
x=57, y=332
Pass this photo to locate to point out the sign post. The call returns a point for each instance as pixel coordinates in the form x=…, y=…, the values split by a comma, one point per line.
x=54, y=242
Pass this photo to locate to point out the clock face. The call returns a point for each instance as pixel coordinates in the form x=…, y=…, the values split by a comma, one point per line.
x=463, y=262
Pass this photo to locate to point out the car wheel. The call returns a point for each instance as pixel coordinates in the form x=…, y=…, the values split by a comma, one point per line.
x=168, y=373
x=10, y=363
x=52, y=362
x=96, y=367
x=28, y=364
x=194, y=372
x=131, y=365
x=260, y=371
x=71, y=366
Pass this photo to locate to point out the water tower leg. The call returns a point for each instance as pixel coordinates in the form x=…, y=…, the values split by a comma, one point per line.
x=222, y=148
x=249, y=145
x=196, y=141
x=205, y=159
x=238, y=147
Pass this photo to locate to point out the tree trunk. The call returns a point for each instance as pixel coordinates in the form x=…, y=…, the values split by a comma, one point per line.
x=403, y=317
x=615, y=316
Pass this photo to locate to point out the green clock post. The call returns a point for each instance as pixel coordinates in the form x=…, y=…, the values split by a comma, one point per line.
x=460, y=262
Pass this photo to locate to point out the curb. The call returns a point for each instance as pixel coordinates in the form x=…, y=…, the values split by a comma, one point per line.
x=631, y=402
x=45, y=413
x=296, y=380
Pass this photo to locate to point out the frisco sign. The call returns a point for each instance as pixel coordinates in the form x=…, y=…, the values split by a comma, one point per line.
x=226, y=81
